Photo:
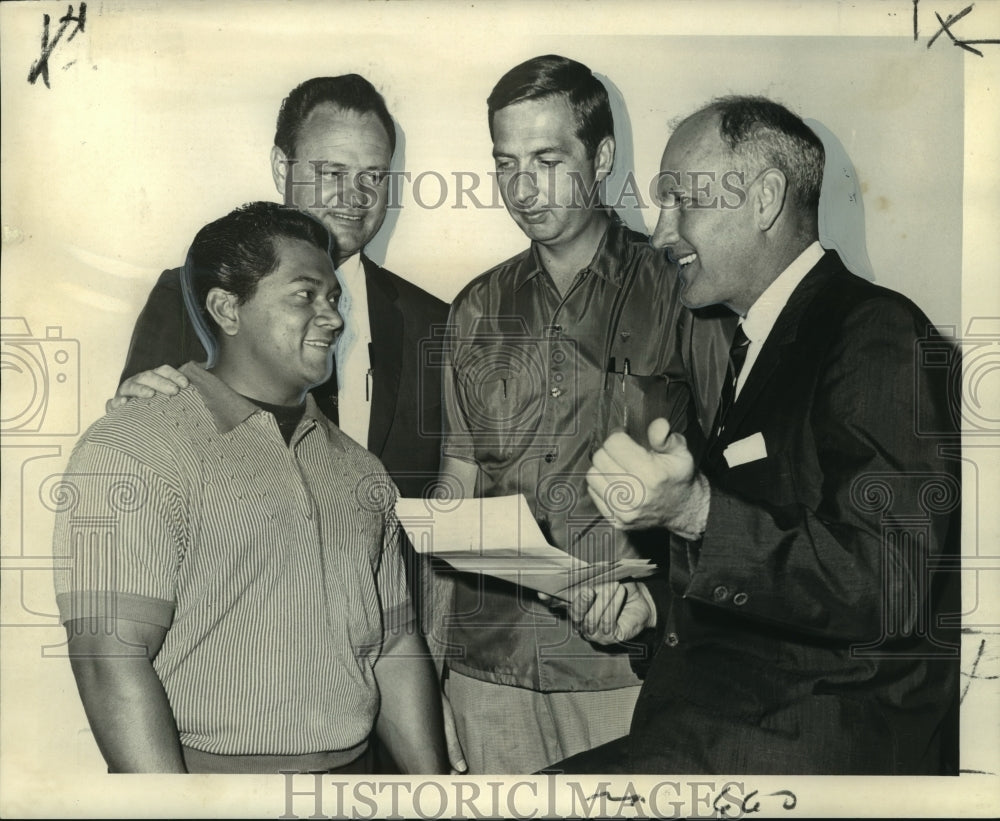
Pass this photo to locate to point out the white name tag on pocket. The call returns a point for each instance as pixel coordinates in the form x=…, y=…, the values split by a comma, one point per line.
x=746, y=450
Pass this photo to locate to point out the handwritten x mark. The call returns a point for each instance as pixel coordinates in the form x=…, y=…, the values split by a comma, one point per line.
x=946, y=29
x=41, y=66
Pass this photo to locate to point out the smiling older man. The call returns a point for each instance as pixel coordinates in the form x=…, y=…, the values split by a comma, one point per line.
x=809, y=625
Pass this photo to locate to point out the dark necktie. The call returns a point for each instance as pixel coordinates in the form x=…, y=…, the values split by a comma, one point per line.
x=737, y=356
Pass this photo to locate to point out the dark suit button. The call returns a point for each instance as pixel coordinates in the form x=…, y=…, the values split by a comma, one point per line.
x=672, y=640
x=740, y=599
x=550, y=458
x=721, y=593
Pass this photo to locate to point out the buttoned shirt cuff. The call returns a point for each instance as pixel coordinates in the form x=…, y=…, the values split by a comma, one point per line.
x=692, y=518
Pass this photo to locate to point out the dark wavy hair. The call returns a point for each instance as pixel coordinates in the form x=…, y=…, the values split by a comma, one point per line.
x=237, y=251
x=551, y=75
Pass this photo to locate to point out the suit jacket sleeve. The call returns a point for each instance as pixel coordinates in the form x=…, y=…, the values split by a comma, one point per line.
x=814, y=551
x=163, y=334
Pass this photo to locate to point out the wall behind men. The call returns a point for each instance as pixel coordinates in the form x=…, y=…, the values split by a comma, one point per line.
x=166, y=119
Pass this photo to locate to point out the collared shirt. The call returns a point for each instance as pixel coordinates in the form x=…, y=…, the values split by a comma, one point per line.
x=764, y=312
x=354, y=388
x=534, y=383
x=275, y=569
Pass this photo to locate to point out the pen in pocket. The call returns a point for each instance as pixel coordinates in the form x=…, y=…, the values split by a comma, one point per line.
x=626, y=372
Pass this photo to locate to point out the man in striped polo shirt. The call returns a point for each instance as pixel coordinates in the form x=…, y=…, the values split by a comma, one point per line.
x=228, y=562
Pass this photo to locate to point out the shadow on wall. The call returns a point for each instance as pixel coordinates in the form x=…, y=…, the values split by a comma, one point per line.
x=628, y=207
x=841, y=210
x=379, y=245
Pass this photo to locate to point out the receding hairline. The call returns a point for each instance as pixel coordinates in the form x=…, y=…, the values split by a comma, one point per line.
x=337, y=110
x=701, y=123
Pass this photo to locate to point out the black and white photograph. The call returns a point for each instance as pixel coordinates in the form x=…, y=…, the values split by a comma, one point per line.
x=499, y=409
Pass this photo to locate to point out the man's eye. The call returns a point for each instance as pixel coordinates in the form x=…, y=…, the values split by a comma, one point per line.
x=549, y=163
x=305, y=295
x=333, y=174
x=674, y=199
x=373, y=178
x=504, y=165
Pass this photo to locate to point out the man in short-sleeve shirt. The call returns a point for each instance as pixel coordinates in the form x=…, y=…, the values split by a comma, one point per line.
x=229, y=566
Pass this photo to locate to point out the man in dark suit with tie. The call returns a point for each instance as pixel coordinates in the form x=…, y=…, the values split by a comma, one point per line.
x=333, y=144
x=809, y=623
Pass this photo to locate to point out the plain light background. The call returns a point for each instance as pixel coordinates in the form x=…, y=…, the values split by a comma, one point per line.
x=161, y=116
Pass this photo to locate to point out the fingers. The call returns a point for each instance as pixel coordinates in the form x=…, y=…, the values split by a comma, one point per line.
x=172, y=374
x=580, y=604
x=598, y=498
x=594, y=612
x=114, y=402
x=552, y=602
x=132, y=388
x=164, y=379
x=619, y=453
x=661, y=440
x=658, y=433
x=636, y=615
x=609, y=612
x=601, y=621
x=615, y=454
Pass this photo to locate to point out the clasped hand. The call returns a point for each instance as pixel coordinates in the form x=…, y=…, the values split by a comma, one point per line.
x=607, y=613
x=637, y=488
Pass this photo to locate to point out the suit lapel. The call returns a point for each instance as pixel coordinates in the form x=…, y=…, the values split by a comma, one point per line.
x=779, y=343
x=387, y=352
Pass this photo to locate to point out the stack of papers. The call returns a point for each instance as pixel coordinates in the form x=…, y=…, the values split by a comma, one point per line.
x=498, y=536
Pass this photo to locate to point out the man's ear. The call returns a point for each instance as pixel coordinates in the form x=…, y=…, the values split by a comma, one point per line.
x=280, y=169
x=224, y=308
x=769, y=201
x=604, y=158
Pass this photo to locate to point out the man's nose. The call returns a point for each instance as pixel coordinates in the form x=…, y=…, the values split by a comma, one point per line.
x=328, y=316
x=346, y=190
x=523, y=187
x=665, y=233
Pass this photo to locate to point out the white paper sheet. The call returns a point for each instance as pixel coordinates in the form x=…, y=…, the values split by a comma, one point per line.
x=498, y=536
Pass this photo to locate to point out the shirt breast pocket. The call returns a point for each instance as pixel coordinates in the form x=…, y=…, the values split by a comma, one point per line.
x=631, y=401
x=502, y=413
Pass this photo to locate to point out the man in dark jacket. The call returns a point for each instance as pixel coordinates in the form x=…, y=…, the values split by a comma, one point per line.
x=809, y=624
x=332, y=148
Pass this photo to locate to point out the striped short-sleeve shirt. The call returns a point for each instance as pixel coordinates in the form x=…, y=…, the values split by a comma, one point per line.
x=275, y=569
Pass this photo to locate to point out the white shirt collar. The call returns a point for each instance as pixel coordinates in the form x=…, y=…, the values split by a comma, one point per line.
x=760, y=319
x=351, y=270
x=764, y=312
